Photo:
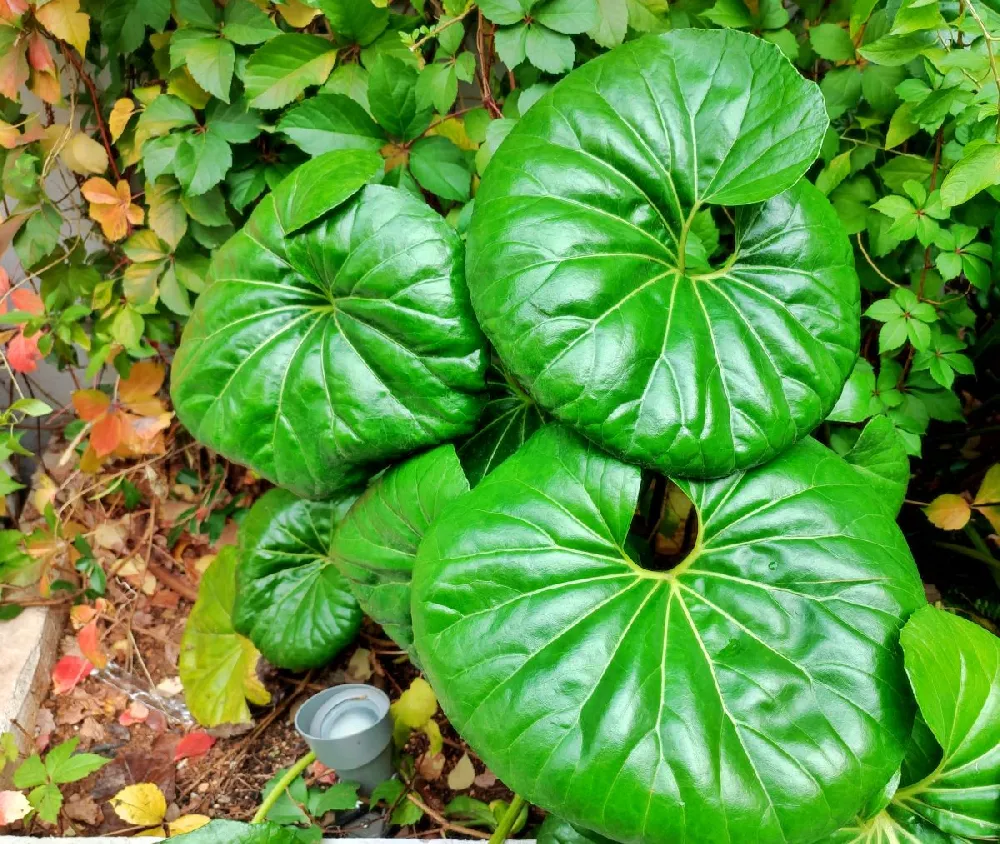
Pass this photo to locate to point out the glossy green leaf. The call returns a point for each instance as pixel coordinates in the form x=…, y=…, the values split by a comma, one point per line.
x=210, y=59
x=392, y=96
x=752, y=692
x=977, y=170
x=244, y=23
x=950, y=778
x=557, y=831
x=291, y=601
x=234, y=832
x=320, y=185
x=879, y=452
x=331, y=121
x=202, y=161
x=509, y=420
x=577, y=255
x=377, y=542
x=442, y=168
x=318, y=357
x=285, y=66
x=358, y=21
x=217, y=665
x=954, y=667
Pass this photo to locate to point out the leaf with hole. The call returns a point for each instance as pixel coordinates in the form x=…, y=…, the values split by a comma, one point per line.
x=770, y=648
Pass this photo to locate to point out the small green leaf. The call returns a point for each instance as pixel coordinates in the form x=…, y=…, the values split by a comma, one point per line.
x=549, y=50
x=47, y=800
x=331, y=121
x=209, y=58
x=202, y=162
x=505, y=12
x=898, y=49
x=831, y=42
x=30, y=772
x=856, y=402
x=392, y=95
x=879, y=453
x=285, y=66
x=510, y=43
x=442, y=168
x=569, y=17
x=979, y=168
x=234, y=832
x=246, y=24
x=356, y=21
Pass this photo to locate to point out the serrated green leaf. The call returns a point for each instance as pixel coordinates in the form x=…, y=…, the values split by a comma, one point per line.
x=392, y=96
x=442, y=168
x=569, y=17
x=285, y=66
x=549, y=50
x=246, y=24
x=234, y=832
x=202, y=162
x=355, y=21
x=978, y=169
x=210, y=59
x=879, y=452
x=831, y=42
x=331, y=121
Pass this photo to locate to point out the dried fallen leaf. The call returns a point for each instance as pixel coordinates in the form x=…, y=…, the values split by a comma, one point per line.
x=142, y=804
x=948, y=512
x=13, y=807
x=193, y=744
x=68, y=672
x=359, y=668
x=487, y=779
x=430, y=767
x=462, y=775
x=136, y=713
x=187, y=823
x=82, y=808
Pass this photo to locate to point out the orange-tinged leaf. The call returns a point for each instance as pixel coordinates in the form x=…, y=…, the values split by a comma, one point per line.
x=23, y=354
x=39, y=56
x=9, y=135
x=27, y=300
x=45, y=86
x=90, y=645
x=142, y=804
x=193, y=744
x=948, y=512
x=100, y=192
x=11, y=10
x=90, y=404
x=69, y=671
x=144, y=381
x=13, y=70
x=107, y=433
x=64, y=20
x=112, y=220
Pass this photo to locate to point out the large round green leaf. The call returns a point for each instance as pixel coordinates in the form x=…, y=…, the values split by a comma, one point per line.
x=581, y=267
x=755, y=692
x=291, y=600
x=318, y=356
x=377, y=541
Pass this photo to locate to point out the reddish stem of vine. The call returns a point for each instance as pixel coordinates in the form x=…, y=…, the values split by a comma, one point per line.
x=95, y=99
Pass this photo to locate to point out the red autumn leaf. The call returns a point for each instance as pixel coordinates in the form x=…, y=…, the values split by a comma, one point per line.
x=39, y=56
x=13, y=70
x=11, y=10
x=27, y=300
x=90, y=404
x=107, y=432
x=193, y=744
x=90, y=645
x=69, y=671
x=23, y=354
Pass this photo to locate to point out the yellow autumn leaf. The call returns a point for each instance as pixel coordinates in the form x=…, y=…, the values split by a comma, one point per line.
x=45, y=85
x=9, y=135
x=111, y=206
x=948, y=512
x=64, y=20
x=142, y=804
x=187, y=823
x=435, y=741
x=297, y=13
x=122, y=110
x=253, y=689
x=416, y=706
x=988, y=498
x=83, y=155
x=43, y=493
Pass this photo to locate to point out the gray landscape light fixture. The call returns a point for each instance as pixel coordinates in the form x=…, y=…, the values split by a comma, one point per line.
x=349, y=729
